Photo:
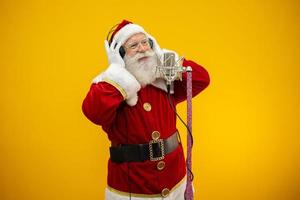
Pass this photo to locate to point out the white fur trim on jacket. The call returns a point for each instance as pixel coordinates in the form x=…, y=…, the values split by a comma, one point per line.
x=122, y=78
x=176, y=194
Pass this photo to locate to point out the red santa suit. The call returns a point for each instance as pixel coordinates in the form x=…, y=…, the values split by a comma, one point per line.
x=130, y=114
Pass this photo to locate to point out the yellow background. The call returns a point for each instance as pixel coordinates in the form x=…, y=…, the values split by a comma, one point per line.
x=246, y=124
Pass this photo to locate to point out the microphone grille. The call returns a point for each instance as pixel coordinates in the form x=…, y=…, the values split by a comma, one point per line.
x=169, y=59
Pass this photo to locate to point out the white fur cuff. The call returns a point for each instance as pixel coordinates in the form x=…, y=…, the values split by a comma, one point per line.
x=123, y=81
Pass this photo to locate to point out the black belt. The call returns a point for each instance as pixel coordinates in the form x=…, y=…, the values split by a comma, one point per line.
x=154, y=150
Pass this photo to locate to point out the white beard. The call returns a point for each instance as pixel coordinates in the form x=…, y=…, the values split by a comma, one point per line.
x=143, y=70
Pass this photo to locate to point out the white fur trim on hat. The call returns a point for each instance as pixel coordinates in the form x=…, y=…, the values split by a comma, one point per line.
x=127, y=31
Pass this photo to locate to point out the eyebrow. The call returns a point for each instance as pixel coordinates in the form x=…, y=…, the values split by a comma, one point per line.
x=129, y=43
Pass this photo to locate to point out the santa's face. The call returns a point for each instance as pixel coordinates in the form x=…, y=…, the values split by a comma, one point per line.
x=137, y=43
x=140, y=60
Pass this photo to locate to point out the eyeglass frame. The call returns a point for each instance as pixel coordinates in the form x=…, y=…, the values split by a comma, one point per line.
x=135, y=45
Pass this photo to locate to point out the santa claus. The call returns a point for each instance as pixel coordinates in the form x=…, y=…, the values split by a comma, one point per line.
x=130, y=101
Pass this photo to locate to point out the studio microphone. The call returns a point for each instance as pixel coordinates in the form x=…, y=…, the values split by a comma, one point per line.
x=170, y=68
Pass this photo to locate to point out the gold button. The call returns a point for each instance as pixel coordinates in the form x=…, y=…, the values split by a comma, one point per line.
x=155, y=135
x=161, y=165
x=165, y=192
x=147, y=106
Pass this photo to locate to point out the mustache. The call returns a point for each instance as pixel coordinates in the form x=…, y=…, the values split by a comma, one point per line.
x=144, y=72
x=141, y=55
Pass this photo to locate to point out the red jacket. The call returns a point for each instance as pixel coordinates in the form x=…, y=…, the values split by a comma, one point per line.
x=104, y=105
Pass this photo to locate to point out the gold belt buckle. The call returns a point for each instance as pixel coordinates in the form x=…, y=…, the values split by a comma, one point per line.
x=160, y=142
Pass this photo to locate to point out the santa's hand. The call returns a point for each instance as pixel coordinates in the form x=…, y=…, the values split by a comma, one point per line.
x=117, y=75
x=113, y=54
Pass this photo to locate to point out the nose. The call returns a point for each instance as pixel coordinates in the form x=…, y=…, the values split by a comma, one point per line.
x=142, y=48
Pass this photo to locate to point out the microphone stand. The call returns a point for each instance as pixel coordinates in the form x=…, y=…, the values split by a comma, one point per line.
x=189, y=194
x=170, y=70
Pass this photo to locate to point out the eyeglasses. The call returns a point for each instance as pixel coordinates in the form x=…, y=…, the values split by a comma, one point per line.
x=135, y=45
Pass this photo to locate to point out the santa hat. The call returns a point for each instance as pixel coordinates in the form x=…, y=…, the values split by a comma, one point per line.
x=125, y=30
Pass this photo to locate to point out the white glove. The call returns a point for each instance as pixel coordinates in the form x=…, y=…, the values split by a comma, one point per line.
x=113, y=54
x=117, y=73
x=160, y=52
